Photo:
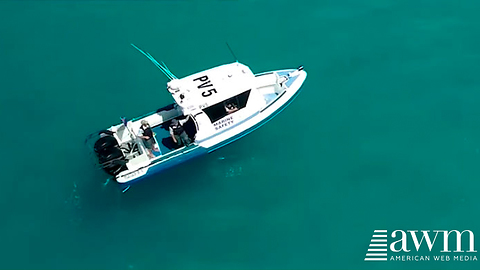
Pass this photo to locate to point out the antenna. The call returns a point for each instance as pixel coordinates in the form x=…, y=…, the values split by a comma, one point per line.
x=231, y=51
x=163, y=68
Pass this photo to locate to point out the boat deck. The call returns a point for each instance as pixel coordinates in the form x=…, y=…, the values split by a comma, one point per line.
x=164, y=141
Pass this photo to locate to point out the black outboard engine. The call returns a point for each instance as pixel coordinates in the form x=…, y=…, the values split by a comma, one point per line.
x=109, y=155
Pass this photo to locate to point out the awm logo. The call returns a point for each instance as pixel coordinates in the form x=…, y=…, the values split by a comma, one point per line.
x=377, y=250
x=401, y=242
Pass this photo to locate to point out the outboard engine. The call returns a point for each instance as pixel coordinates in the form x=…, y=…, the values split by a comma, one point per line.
x=109, y=155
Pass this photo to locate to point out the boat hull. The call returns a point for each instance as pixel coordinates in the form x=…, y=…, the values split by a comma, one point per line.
x=159, y=167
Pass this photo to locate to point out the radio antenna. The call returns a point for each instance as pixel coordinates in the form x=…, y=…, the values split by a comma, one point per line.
x=231, y=51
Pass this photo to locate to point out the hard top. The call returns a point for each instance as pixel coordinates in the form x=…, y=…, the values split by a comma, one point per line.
x=209, y=87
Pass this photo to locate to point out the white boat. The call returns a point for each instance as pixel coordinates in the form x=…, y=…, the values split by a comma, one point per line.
x=202, y=100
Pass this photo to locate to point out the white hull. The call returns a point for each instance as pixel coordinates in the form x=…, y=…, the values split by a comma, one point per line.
x=258, y=99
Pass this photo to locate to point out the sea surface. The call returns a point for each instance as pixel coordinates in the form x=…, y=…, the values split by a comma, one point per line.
x=384, y=136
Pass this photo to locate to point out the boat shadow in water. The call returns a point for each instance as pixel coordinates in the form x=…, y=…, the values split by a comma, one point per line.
x=94, y=202
x=172, y=184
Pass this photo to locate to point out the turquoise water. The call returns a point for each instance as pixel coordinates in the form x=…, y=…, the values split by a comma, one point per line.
x=385, y=134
